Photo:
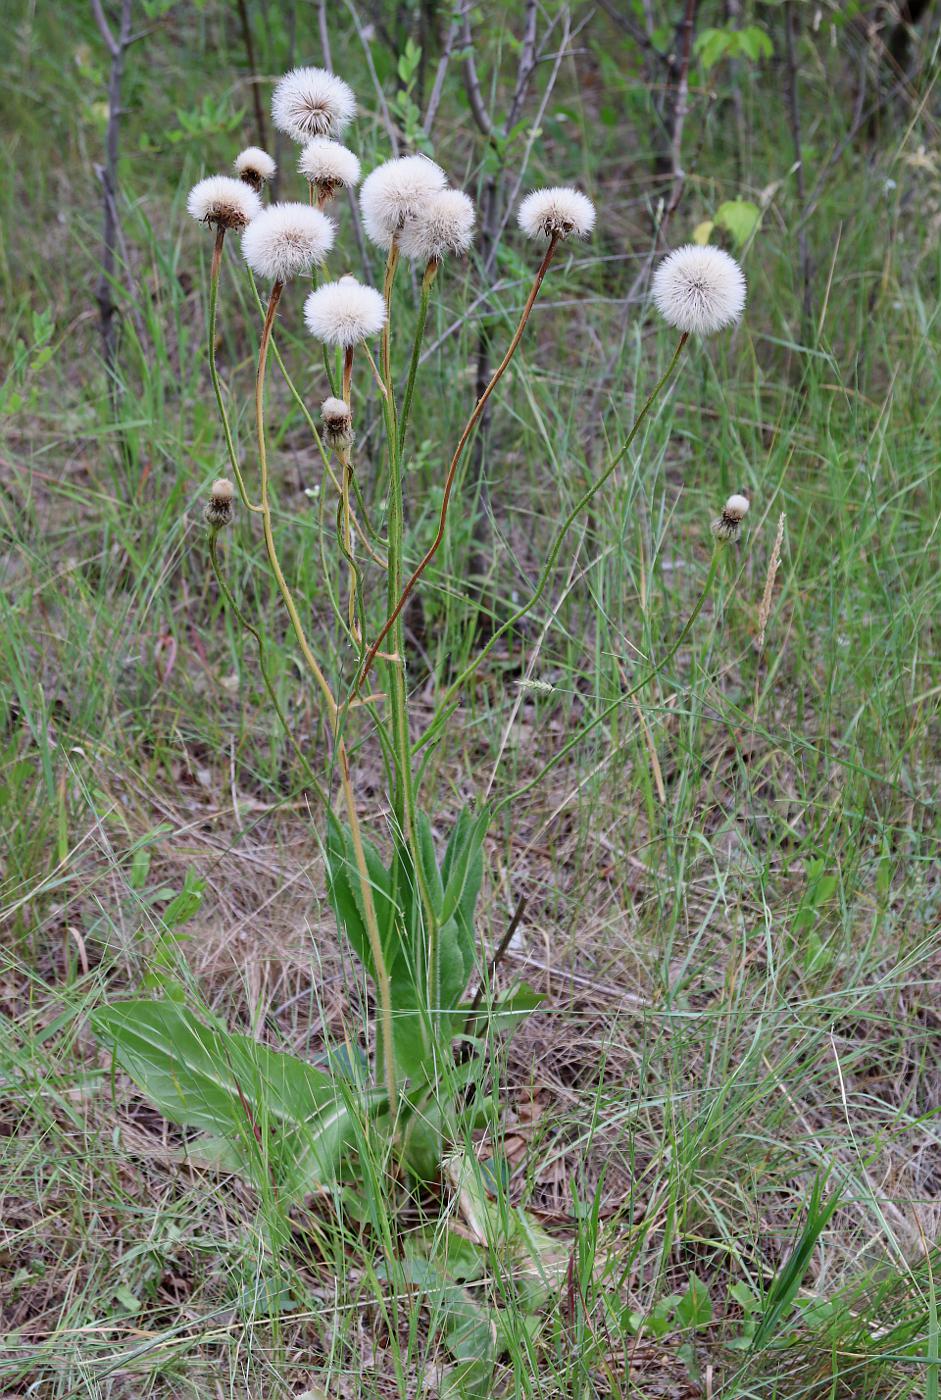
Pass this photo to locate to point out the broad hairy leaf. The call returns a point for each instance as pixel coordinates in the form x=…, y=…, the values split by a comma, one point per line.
x=278, y=1115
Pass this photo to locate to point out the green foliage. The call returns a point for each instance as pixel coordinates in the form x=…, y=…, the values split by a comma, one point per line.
x=752, y=43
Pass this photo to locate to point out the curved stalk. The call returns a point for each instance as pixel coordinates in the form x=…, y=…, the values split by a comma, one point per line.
x=584, y=500
x=399, y=602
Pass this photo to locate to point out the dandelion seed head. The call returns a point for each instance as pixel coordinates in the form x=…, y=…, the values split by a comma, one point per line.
x=729, y=525
x=255, y=167
x=396, y=191
x=312, y=102
x=699, y=290
x=287, y=239
x=444, y=224
x=219, y=511
x=344, y=312
x=328, y=164
x=337, y=421
x=223, y=201
x=559, y=211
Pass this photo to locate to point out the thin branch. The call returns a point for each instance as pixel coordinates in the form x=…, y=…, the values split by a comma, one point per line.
x=260, y=127
x=388, y=123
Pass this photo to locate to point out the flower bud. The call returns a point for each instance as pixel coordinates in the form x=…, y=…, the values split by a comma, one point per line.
x=729, y=525
x=337, y=422
x=219, y=511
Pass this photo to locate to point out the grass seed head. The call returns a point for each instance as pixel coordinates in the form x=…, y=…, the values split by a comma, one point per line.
x=699, y=290
x=344, y=313
x=312, y=102
x=219, y=511
x=223, y=202
x=397, y=191
x=337, y=422
x=557, y=212
x=255, y=167
x=287, y=239
x=445, y=224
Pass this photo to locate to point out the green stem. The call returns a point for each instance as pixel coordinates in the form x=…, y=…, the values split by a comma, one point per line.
x=214, y=372
x=426, y=283
x=449, y=701
x=269, y=685
x=609, y=709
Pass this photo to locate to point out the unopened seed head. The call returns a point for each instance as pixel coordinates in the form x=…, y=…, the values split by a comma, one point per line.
x=219, y=510
x=345, y=312
x=255, y=167
x=445, y=224
x=557, y=212
x=312, y=102
x=396, y=191
x=328, y=165
x=337, y=422
x=223, y=202
x=286, y=240
x=699, y=290
x=729, y=525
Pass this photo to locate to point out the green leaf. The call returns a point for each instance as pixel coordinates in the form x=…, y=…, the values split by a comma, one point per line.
x=754, y=43
x=740, y=217
x=187, y=903
x=279, y=1115
x=695, y=1307
x=506, y=1013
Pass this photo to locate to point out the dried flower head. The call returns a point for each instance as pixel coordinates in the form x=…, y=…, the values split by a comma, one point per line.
x=699, y=290
x=557, y=212
x=395, y=192
x=337, y=422
x=729, y=525
x=345, y=312
x=445, y=224
x=255, y=167
x=222, y=201
x=287, y=239
x=219, y=510
x=328, y=165
x=312, y=102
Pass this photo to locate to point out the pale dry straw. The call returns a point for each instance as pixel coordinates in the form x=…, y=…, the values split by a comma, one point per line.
x=774, y=563
x=699, y=290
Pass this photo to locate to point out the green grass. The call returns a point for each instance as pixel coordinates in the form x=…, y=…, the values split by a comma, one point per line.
x=733, y=884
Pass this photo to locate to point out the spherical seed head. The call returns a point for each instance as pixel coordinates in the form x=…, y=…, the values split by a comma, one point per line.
x=219, y=511
x=557, y=212
x=312, y=102
x=287, y=239
x=254, y=166
x=337, y=422
x=445, y=224
x=221, y=201
x=729, y=525
x=699, y=290
x=395, y=192
x=344, y=313
x=328, y=164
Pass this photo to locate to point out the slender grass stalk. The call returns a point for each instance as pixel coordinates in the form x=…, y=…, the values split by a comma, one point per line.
x=262, y=666
x=399, y=600
x=586, y=729
x=214, y=372
x=426, y=284
x=449, y=699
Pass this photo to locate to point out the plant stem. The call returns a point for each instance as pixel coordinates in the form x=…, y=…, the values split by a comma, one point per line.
x=609, y=709
x=213, y=371
x=426, y=283
x=547, y=568
x=269, y=685
x=398, y=601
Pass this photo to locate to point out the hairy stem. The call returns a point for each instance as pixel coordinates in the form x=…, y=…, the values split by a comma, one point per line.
x=214, y=372
x=426, y=282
